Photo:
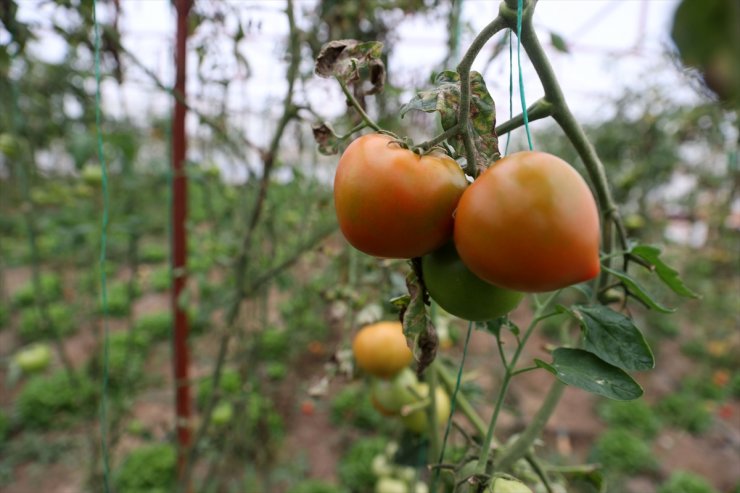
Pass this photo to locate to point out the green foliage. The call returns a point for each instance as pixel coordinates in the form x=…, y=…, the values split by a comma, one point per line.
x=352, y=405
x=32, y=323
x=734, y=385
x=276, y=370
x=685, y=482
x=230, y=385
x=3, y=316
x=587, y=371
x=315, y=486
x=119, y=303
x=261, y=414
x=160, y=279
x=635, y=415
x=274, y=344
x=155, y=326
x=704, y=388
x=148, y=469
x=684, y=410
x=126, y=357
x=620, y=451
x=355, y=467
x=51, y=290
x=663, y=325
x=4, y=426
x=153, y=253
x=55, y=401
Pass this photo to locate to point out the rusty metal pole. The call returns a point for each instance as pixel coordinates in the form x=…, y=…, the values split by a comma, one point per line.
x=179, y=242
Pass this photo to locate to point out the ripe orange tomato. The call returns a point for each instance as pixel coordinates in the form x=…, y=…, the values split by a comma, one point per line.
x=460, y=292
x=393, y=203
x=529, y=223
x=381, y=350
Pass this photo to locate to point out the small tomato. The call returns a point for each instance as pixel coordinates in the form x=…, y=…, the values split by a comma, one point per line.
x=381, y=350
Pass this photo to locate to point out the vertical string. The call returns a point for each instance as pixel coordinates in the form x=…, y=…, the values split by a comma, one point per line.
x=102, y=265
x=453, y=401
x=511, y=91
x=521, y=77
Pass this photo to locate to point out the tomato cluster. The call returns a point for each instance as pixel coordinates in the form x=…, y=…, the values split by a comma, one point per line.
x=380, y=350
x=529, y=223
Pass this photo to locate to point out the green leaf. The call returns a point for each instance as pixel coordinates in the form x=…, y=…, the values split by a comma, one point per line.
x=638, y=291
x=559, y=43
x=668, y=275
x=586, y=371
x=586, y=478
x=345, y=58
x=614, y=338
x=445, y=99
x=415, y=316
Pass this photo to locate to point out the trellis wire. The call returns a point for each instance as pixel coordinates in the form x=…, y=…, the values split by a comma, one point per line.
x=453, y=401
x=103, y=249
x=519, y=9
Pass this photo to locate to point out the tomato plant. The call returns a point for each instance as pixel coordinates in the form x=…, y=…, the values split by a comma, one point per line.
x=462, y=293
x=529, y=223
x=393, y=203
x=381, y=350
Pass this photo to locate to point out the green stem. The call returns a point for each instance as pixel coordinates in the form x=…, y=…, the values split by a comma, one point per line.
x=354, y=129
x=434, y=445
x=522, y=444
x=356, y=105
x=538, y=110
x=525, y=370
x=509, y=373
x=440, y=138
x=461, y=401
x=463, y=69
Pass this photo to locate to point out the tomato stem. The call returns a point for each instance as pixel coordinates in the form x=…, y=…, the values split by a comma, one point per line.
x=356, y=105
x=450, y=132
x=540, y=109
x=463, y=68
x=508, y=375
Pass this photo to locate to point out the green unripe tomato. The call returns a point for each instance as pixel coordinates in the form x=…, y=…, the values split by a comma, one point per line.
x=388, y=396
x=222, y=414
x=380, y=466
x=462, y=293
x=417, y=421
x=8, y=145
x=501, y=484
x=92, y=175
x=33, y=358
x=391, y=485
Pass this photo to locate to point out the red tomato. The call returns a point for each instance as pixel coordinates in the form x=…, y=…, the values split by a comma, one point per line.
x=393, y=203
x=529, y=223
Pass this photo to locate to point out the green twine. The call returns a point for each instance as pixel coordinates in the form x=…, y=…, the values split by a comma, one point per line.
x=511, y=91
x=103, y=248
x=521, y=77
x=453, y=401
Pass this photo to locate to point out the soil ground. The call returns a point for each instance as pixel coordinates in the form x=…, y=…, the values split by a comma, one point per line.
x=312, y=438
